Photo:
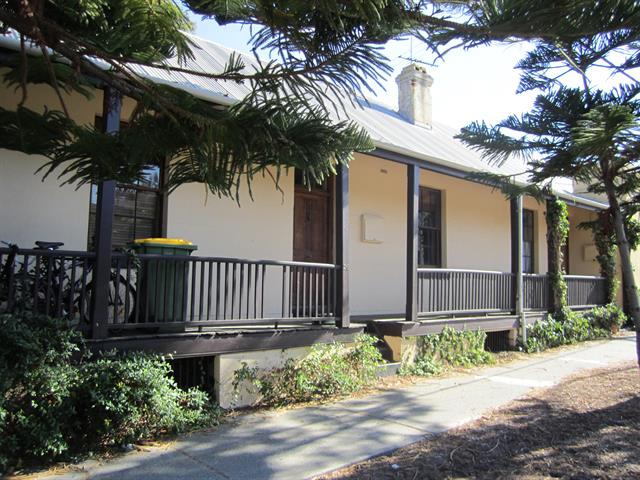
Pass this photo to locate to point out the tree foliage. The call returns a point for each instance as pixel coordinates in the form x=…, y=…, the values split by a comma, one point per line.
x=324, y=53
x=586, y=133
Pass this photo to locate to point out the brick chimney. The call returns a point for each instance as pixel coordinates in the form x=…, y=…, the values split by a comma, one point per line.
x=414, y=95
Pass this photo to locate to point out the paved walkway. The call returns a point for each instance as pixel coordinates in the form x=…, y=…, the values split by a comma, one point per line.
x=304, y=442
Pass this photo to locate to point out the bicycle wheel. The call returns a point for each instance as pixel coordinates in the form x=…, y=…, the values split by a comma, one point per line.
x=122, y=298
x=121, y=301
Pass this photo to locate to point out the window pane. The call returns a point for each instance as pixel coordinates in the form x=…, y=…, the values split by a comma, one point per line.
x=429, y=227
x=137, y=214
x=528, y=244
x=150, y=177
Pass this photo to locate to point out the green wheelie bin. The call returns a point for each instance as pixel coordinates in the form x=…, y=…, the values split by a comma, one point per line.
x=163, y=284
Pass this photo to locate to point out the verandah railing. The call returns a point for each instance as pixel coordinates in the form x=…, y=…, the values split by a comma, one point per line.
x=535, y=291
x=449, y=291
x=456, y=291
x=171, y=292
x=585, y=291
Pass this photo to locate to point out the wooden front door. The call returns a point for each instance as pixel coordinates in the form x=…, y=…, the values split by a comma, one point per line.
x=312, y=224
x=312, y=233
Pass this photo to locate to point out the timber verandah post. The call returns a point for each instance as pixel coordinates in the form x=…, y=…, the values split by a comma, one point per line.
x=111, y=108
x=413, y=195
x=517, y=294
x=342, y=246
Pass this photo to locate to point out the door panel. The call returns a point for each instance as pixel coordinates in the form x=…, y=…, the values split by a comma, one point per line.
x=312, y=233
x=312, y=227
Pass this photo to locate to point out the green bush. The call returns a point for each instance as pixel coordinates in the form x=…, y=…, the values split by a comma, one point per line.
x=609, y=317
x=552, y=332
x=36, y=379
x=328, y=370
x=122, y=399
x=54, y=403
x=423, y=367
x=450, y=348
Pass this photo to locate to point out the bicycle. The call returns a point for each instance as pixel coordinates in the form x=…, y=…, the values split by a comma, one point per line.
x=52, y=287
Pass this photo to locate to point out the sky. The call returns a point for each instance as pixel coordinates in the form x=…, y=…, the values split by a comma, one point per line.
x=469, y=85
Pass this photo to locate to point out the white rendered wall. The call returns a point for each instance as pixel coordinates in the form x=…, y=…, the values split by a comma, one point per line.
x=32, y=209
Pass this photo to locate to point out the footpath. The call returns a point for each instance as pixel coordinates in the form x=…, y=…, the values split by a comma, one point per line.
x=304, y=442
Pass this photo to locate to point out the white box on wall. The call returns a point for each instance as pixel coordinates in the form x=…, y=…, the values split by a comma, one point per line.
x=372, y=227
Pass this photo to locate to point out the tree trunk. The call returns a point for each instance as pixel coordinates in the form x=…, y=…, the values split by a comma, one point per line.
x=628, y=280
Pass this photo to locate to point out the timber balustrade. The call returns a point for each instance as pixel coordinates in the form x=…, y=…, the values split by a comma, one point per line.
x=472, y=292
x=536, y=291
x=452, y=291
x=585, y=291
x=162, y=292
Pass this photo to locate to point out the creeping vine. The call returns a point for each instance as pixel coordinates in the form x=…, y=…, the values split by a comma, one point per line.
x=557, y=232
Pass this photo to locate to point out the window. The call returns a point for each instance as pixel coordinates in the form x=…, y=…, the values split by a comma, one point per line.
x=138, y=206
x=528, y=243
x=430, y=228
x=137, y=212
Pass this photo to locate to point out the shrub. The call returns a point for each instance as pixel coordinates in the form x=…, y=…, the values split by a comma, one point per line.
x=36, y=379
x=609, y=317
x=423, y=367
x=450, y=348
x=122, y=399
x=552, y=332
x=54, y=403
x=328, y=370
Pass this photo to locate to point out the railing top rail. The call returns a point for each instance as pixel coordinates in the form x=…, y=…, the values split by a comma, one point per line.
x=535, y=275
x=195, y=258
x=583, y=277
x=460, y=270
x=48, y=253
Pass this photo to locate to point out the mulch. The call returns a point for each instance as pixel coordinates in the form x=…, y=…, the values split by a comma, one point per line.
x=586, y=427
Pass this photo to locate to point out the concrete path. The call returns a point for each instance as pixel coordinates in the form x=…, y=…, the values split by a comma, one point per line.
x=304, y=442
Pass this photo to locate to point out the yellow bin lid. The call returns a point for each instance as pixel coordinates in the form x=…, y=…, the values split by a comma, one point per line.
x=162, y=241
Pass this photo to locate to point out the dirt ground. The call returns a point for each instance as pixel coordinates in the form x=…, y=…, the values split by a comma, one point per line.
x=586, y=427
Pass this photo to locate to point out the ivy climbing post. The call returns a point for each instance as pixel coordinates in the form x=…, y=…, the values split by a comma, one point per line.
x=604, y=236
x=557, y=232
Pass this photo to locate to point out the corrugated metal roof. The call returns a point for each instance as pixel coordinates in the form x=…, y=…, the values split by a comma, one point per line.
x=208, y=58
x=391, y=131
x=388, y=129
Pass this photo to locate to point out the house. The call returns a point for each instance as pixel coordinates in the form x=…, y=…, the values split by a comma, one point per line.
x=402, y=243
